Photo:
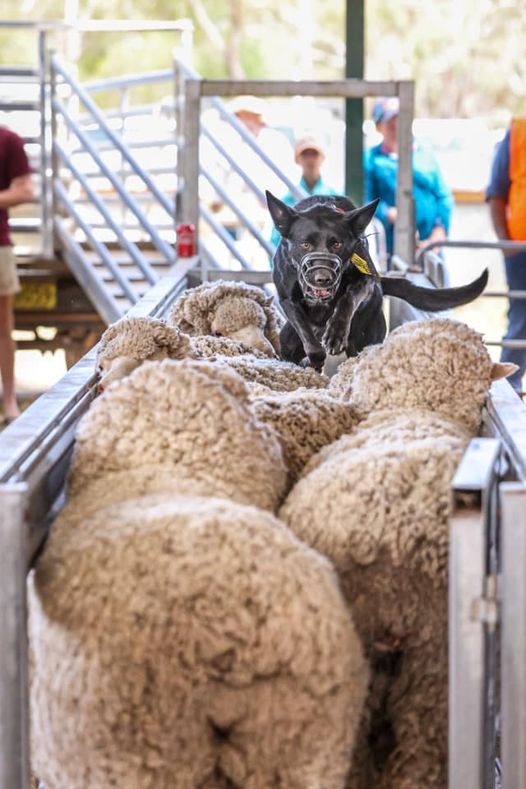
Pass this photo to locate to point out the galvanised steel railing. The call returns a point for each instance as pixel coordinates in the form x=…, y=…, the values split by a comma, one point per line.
x=60, y=109
x=427, y=259
x=192, y=90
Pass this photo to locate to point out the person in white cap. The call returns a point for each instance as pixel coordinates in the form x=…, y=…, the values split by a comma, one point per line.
x=309, y=154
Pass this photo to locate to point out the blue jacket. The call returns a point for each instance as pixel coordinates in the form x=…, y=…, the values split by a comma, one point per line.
x=320, y=188
x=499, y=185
x=433, y=198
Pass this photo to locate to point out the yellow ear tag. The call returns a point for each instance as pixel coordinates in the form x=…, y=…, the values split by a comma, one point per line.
x=361, y=264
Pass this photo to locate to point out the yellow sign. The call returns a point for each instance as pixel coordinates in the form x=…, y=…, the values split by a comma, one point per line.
x=36, y=296
x=361, y=264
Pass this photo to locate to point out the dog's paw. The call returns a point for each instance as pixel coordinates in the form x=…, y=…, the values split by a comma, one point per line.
x=334, y=340
x=315, y=359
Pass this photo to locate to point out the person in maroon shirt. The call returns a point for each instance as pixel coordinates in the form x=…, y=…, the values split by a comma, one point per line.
x=16, y=187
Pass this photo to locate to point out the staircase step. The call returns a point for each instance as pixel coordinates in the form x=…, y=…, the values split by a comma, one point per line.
x=139, y=288
x=133, y=278
x=130, y=266
x=121, y=256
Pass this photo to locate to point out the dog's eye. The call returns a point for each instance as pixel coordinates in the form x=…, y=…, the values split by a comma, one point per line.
x=336, y=245
x=306, y=245
x=216, y=334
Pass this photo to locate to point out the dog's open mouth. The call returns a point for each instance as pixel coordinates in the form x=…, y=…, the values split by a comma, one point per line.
x=321, y=293
x=318, y=267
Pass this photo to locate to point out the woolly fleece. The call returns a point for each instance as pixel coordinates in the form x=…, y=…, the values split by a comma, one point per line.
x=385, y=428
x=190, y=418
x=228, y=308
x=306, y=421
x=206, y=346
x=180, y=640
x=380, y=513
x=276, y=375
x=183, y=642
x=130, y=341
x=438, y=364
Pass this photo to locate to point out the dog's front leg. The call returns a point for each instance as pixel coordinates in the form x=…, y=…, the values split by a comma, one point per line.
x=299, y=320
x=336, y=335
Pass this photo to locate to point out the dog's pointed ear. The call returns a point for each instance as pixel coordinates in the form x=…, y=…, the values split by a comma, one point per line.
x=359, y=218
x=282, y=215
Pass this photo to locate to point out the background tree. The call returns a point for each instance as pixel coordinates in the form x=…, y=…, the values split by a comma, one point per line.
x=465, y=55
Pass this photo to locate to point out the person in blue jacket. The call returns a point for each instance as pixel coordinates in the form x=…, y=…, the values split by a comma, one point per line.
x=433, y=198
x=310, y=156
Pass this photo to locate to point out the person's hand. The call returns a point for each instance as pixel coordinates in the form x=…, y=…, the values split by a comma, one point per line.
x=438, y=234
x=391, y=214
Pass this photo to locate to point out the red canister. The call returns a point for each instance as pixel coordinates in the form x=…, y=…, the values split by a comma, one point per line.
x=185, y=241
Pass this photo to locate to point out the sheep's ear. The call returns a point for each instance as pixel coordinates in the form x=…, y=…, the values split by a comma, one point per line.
x=503, y=370
x=282, y=215
x=184, y=326
x=359, y=218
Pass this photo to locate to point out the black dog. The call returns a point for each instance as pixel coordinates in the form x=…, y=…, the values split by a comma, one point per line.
x=328, y=286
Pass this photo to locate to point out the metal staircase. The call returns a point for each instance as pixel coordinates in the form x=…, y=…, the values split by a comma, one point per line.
x=102, y=230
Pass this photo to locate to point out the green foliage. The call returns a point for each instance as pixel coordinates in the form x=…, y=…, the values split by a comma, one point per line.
x=466, y=57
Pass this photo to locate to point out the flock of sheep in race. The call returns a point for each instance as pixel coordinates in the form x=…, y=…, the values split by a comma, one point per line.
x=247, y=585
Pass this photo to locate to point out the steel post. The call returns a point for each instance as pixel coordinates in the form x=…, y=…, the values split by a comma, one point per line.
x=46, y=200
x=354, y=67
x=404, y=241
x=513, y=636
x=469, y=613
x=190, y=154
x=14, y=687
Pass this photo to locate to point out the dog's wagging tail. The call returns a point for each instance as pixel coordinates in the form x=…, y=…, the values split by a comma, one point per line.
x=328, y=285
x=434, y=300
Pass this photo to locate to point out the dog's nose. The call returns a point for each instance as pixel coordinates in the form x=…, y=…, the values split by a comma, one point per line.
x=322, y=278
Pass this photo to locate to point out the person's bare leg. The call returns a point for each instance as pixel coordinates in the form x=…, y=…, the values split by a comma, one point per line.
x=7, y=357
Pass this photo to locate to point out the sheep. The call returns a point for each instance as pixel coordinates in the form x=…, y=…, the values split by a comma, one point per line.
x=232, y=309
x=438, y=364
x=306, y=420
x=130, y=341
x=380, y=514
x=377, y=502
x=181, y=636
x=161, y=419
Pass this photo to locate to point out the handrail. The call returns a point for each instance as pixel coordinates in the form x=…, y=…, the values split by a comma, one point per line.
x=128, y=80
x=134, y=252
x=132, y=145
x=106, y=304
x=18, y=71
x=252, y=142
x=225, y=237
x=132, y=204
x=223, y=194
x=232, y=162
x=116, y=140
x=457, y=243
x=103, y=25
